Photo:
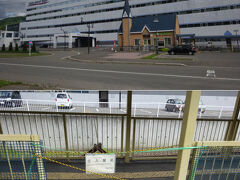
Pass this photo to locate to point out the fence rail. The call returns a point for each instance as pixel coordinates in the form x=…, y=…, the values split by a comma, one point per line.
x=154, y=109
x=73, y=131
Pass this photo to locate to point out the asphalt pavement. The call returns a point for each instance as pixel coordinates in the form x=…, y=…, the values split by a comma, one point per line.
x=59, y=72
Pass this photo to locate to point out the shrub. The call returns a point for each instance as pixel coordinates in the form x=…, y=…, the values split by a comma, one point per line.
x=16, y=48
x=3, y=47
x=164, y=49
x=10, y=48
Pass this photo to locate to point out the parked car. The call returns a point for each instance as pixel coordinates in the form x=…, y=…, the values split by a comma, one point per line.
x=174, y=105
x=182, y=49
x=63, y=100
x=202, y=107
x=10, y=99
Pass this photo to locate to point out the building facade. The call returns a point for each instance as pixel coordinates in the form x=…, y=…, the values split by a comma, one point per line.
x=9, y=37
x=149, y=31
x=205, y=19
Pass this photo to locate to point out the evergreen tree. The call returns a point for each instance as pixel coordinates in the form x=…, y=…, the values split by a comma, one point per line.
x=16, y=48
x=25, y=47
x=3, y=47
x=10, y=48
x=34, y=47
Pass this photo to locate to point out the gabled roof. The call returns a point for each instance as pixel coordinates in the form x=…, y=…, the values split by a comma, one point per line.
x=126, y=10
x=166, y=22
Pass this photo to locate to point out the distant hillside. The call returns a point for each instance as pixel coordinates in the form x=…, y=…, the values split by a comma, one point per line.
x=11, y=20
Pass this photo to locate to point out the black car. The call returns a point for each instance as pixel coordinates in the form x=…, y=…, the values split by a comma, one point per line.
x=182, y=49
x=174, y=105
x=10, y=99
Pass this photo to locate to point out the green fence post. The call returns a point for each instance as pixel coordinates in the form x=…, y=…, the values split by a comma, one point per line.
x=128, y=125
x=232, y=128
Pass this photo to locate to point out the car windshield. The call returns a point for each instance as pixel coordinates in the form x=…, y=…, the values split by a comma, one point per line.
x=5, y=94
x=62, y=96
x=178, y=101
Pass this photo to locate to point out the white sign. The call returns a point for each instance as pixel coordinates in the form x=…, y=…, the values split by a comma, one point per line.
x=100, y=163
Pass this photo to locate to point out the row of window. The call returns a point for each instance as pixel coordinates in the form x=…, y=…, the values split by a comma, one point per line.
x=73, y=24
x=219, y=23
x=103, y=10
x=9, y=35
x=155, y=41
x=111, y=20
x=75, y=7
x=70, y=2
x=92, y=32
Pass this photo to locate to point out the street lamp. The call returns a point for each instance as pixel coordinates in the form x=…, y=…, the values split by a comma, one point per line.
x=65, y=32
x=236, y=31
x=156, y=21
x=89, y=25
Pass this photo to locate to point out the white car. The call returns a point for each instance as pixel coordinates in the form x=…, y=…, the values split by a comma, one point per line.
x=63, y=100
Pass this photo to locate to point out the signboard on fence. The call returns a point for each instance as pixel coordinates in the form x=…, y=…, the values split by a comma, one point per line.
x=100, y=163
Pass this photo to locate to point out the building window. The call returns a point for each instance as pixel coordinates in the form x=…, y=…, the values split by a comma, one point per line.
x=155, y=41
x=137, y=42
x=168, y=41
x=9, y=35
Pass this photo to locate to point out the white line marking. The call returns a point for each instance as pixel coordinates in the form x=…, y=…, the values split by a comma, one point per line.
x=45, y=108
x=123, y=110
x=97, y=109
x=119, y=72
x=149, y=112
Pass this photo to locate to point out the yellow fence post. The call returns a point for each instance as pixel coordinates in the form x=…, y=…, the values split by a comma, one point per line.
x=1, y=130
x=128, y=124
x=234, y=124
x=187, y=133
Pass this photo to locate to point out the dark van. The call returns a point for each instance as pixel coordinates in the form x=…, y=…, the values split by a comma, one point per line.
x=10, y=99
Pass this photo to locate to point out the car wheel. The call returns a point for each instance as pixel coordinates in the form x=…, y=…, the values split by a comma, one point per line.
x=190, y=53
x=167, y=109
x=172, y=53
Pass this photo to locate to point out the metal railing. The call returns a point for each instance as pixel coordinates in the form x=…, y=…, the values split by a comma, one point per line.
x=153, y=109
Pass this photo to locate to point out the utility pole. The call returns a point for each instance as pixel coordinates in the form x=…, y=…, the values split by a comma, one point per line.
x=65, y=32
x=236, y=31
x=89, y=26
x=89, y=29
x=156, y=21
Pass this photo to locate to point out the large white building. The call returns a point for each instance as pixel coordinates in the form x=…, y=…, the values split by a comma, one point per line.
x=202, y=19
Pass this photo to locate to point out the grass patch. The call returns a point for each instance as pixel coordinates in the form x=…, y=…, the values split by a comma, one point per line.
x=156, y=57
x=8, y=83
x=153, y=56
x=20, y=54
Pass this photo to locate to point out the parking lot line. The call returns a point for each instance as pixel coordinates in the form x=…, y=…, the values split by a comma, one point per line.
x=72, y=109
x=145, y=111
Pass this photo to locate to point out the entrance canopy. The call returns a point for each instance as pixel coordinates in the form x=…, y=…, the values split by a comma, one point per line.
x=71, y=36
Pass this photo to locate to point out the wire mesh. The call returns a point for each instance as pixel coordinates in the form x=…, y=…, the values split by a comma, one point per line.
x=17, y=161
x=216, y=163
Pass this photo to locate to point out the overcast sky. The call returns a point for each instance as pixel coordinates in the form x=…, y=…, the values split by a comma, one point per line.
x=10, y=8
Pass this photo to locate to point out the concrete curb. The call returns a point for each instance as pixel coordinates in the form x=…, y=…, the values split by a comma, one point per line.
x=123, y=62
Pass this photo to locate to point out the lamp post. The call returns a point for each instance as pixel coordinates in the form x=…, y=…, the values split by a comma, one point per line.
x=65, y=32
x=89, y=26
x=156, y=21
x=236, y=31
